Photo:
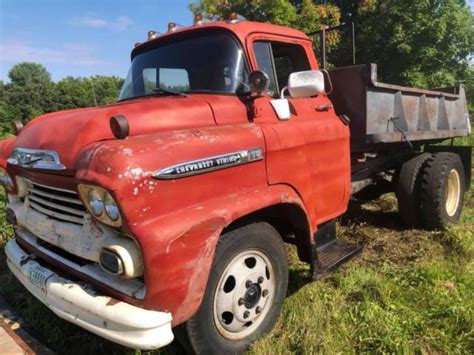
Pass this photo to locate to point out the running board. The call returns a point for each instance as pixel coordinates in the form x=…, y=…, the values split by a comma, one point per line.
x=328, y=252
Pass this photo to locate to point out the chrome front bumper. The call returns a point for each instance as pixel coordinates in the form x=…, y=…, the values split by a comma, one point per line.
x=116, y=321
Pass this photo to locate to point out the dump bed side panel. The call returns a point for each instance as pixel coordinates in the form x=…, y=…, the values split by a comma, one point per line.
x=384, y=113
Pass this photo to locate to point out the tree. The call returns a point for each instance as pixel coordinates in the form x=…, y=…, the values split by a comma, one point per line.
x=30, y=91
x=305, y=15
x=424, y=43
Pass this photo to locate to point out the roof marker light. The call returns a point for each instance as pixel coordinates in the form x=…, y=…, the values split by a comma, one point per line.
x=171, y=27
x=152, y=34
x=198, y=19
x=233, y=17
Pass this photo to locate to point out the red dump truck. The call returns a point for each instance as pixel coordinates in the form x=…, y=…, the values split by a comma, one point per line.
x=166, y=213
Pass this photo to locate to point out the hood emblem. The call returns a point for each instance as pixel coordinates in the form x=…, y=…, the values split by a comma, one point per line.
x=35, y=159
x=204, y=165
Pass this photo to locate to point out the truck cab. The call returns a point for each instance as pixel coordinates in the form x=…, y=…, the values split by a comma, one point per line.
x=168, y=211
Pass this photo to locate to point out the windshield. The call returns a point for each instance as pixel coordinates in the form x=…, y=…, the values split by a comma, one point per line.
x=211, y=62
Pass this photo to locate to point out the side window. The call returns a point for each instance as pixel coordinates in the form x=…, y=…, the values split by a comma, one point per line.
x=289, y=58
x=279, y=60
x=263, y=54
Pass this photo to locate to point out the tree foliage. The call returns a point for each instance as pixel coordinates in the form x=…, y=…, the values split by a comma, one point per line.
x=31, y=92
x=305, y=15
x=426, y=43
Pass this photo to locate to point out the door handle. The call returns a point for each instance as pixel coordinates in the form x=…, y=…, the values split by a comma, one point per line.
x=324, y=107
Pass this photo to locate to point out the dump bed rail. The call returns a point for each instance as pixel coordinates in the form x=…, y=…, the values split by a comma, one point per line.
x=385, y=113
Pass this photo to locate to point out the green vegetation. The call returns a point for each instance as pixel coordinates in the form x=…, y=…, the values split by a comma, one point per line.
x=409, y=291
x=419, y=43
x=31, y=92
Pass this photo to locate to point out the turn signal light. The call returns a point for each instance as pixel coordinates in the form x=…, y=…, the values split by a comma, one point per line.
x=111, y=262
x=119, y=126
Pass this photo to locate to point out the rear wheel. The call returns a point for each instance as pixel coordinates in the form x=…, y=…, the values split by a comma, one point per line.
x=245, y=292
x=408, y=189
x=442, y=190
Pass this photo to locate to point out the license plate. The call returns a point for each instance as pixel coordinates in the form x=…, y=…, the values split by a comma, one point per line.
x=39, y=275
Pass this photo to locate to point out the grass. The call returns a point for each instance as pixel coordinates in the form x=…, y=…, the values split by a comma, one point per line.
x=410, y=291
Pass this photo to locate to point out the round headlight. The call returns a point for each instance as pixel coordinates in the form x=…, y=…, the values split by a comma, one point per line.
x=111, y=207
x=96, y=202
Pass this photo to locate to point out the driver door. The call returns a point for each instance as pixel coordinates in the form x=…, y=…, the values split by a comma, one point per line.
x=313, y=144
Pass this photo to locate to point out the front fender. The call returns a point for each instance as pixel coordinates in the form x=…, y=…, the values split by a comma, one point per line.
x=178, y=249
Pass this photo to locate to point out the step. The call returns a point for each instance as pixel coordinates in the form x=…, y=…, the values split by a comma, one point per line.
x=328, y=257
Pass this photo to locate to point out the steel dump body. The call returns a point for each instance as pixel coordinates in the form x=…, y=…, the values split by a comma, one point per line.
x=384, y=113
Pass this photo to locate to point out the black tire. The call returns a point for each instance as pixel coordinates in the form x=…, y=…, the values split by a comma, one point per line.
x=408, y=189
x=201, y=332
x=435, y=190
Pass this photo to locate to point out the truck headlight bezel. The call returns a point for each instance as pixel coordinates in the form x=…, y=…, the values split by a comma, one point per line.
x=101, y=204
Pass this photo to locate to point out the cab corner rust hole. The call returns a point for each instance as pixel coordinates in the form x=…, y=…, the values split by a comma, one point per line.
x=229, y=284
x=227, y=317
x=250, y=262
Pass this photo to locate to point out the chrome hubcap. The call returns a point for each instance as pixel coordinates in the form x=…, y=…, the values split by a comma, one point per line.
x=244, y=294
x=452, y=192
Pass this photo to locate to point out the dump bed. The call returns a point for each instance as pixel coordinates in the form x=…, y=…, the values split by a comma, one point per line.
x=383, y=114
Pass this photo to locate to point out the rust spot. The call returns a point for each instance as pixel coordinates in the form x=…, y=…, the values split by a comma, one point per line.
x=112, y=302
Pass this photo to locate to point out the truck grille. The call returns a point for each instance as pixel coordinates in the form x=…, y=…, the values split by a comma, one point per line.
x=56, y=203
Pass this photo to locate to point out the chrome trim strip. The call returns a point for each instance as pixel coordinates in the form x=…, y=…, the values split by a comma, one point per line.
x=204, y=165
x=35, y=159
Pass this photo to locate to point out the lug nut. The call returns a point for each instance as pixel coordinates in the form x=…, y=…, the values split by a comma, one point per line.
x=258, y=310
x=260, y=279
x=241, y=301
x=265, y=293
x=248, y=283
x=246, y=314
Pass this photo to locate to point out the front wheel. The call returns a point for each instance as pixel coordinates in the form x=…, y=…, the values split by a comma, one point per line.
x=245, y=291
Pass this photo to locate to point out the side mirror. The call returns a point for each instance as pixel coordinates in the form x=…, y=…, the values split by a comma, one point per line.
x=258, y=82
x=306, y=83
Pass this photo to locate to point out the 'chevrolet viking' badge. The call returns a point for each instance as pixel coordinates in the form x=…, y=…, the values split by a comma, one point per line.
x=199, y=166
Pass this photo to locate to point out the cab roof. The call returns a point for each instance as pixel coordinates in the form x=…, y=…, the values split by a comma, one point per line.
x=240, y=28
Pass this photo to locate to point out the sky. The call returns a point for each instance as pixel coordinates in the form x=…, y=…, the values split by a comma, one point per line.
x=81, y=37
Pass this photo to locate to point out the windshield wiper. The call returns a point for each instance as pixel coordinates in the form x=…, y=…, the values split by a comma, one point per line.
x=170, y=92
